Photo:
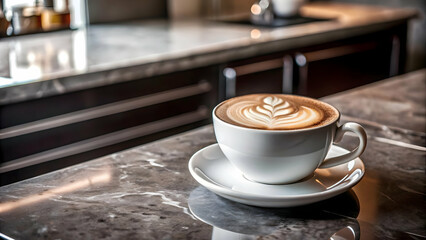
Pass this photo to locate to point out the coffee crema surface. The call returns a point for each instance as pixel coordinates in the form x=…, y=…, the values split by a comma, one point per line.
x=276, y=112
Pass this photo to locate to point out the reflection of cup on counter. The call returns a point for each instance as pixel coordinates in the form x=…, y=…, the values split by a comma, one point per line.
x=232, y=220
x=219, y=234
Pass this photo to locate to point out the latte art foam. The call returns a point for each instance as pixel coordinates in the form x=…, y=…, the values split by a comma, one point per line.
x=273, y=112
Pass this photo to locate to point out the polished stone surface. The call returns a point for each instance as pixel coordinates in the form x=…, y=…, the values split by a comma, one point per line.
x=396, y=104
x=47, y=64
x=147, y=192
x=389, y=110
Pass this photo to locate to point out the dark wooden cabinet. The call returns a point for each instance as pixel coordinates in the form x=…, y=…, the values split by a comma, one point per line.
x=54, y=132
x=320, y=70
x=262, y=74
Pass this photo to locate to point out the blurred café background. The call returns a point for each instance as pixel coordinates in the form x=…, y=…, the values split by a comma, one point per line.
x=80, y=79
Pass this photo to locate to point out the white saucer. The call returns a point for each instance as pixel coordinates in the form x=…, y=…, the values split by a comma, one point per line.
x=212, y=170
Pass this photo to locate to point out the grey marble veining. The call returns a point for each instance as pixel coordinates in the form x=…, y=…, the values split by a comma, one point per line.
x=147, y=192
x=397, y=104
x=47, y=64
x=136, y=194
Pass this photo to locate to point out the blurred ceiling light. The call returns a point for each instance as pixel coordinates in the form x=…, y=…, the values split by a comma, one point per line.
x=256, y=9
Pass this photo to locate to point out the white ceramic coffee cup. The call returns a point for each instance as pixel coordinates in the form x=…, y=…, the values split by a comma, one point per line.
x=287, y=8
x=284, y=156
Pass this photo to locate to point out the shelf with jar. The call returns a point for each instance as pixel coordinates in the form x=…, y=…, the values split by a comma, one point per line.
x=37, y=16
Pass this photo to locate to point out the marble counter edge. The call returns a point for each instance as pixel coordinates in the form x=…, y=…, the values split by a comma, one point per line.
x=181, y=61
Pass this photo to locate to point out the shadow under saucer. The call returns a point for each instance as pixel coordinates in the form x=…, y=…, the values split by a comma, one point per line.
x=230, y=220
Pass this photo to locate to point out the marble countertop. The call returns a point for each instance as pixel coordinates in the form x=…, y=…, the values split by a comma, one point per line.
x=35, y=66
x=147, y=192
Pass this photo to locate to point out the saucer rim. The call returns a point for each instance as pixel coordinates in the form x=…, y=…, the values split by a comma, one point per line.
x=251, y=196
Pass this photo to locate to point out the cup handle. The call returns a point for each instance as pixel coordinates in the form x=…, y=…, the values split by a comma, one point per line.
x=361, y=134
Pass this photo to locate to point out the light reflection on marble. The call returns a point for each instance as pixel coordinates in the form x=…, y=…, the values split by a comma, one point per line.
x=32, y=59
x=102, y=177
x=40, y=65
